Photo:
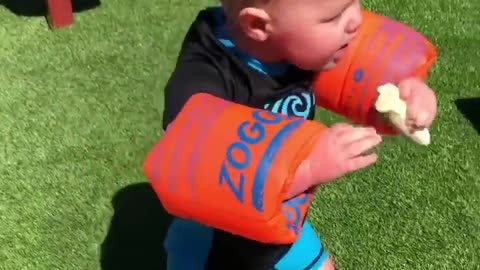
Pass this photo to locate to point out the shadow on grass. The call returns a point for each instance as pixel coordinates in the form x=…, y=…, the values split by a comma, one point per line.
x=470, y=108
x=39, y=7
x=137, y=230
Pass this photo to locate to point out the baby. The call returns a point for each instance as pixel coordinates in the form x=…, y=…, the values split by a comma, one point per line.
x=263, y=54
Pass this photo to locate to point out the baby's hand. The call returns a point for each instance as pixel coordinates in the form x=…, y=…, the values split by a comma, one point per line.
x=421, y=102
x=340, y=150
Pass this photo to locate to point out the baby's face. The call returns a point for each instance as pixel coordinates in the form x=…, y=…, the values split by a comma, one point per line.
x=314, y=34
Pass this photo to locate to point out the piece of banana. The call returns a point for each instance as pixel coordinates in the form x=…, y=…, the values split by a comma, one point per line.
x=394, y=108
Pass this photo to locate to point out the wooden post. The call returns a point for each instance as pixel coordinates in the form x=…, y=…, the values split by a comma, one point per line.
x=60, y=13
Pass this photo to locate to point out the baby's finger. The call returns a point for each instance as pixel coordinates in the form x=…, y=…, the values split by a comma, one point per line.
x=357, y=134
x=341, y=128
x=421, y=120
x=405, y=89
x=429, y=121
x=413, y=107
x=362, y=146
x=360, y=162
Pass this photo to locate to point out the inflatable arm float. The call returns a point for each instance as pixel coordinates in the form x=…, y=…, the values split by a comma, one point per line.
x=229, y=166
x=384, y=51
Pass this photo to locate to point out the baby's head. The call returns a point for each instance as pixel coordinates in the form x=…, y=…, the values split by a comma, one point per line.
x=311, y=34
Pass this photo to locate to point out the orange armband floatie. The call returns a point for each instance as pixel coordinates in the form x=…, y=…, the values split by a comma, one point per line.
x=384, y=51
x=229, y=166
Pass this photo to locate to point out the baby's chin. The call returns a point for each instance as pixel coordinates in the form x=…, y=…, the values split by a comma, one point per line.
x=330, y=65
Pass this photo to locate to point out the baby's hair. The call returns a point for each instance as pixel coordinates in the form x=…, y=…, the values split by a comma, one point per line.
x=239, y=3
x=233, y=6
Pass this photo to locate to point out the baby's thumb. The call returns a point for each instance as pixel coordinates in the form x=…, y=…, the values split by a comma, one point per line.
x=360, y=162
x=405, y=89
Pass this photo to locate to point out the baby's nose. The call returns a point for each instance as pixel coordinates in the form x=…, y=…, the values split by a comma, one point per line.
x=355, y=21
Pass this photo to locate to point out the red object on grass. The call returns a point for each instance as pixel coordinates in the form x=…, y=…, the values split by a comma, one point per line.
x=60, y=13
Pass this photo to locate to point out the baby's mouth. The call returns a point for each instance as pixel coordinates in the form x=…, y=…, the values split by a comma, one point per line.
x=341, y=51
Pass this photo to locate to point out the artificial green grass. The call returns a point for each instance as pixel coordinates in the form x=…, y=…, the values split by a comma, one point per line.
x=81, y=107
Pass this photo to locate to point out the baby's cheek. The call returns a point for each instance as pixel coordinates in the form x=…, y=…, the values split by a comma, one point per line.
x=317, y=50
x=309, y=50
x=321, y=53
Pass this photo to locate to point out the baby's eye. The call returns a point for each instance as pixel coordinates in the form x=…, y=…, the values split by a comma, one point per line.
x=331, y=19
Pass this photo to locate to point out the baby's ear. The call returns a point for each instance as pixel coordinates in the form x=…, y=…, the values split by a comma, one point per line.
x=254, y=23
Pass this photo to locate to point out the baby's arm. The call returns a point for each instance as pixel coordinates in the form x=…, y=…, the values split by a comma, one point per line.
x=350, y=89
x=226, y=165
x=229, y=166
